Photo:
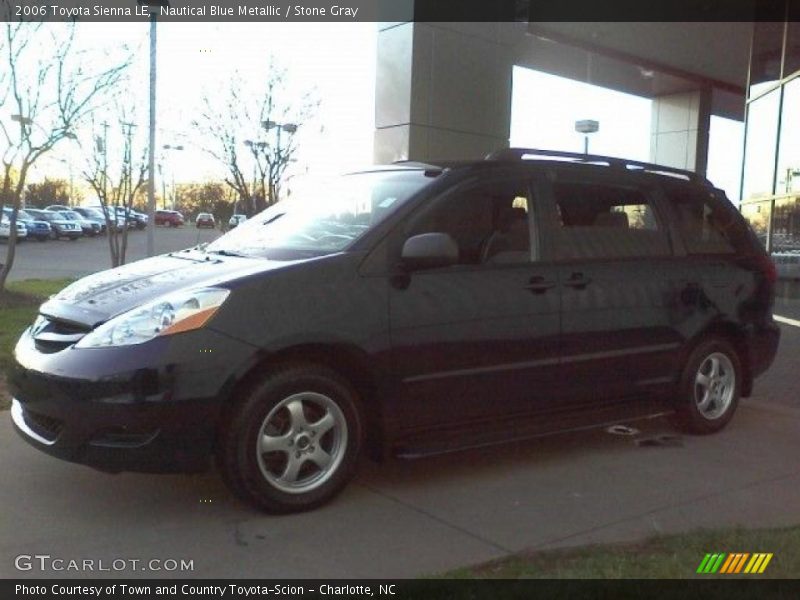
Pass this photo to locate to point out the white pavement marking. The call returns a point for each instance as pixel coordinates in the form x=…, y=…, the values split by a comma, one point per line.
x=786, y=320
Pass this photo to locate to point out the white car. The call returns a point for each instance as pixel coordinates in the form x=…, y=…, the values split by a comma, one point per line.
x=5, y=229
x=236, y=220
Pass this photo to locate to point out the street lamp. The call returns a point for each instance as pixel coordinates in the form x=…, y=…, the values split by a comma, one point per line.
x=253, y=144
x=288, y=128
x=174, y=189
x=586, y=127
x=22, y=120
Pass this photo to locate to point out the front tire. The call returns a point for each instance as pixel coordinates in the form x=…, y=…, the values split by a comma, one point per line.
x=710, y=387
x=291, y=441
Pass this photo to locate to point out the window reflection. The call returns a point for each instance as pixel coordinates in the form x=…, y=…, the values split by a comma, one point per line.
x=792, y=59
x=759, y=158
x=757, y=214
x=786, y=226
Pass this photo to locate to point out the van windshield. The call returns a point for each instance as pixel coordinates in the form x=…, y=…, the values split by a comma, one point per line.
x=322, y=217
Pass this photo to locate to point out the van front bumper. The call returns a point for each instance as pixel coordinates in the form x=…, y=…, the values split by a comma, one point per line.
x=149, y=408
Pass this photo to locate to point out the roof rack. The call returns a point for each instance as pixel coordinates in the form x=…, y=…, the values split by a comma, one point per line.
x=519, y=154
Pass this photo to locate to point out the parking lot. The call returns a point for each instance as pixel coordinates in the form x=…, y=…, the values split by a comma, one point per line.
x=407, y=518
x=63, y=258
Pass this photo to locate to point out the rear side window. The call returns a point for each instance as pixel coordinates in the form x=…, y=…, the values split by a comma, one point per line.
x=706, y=225
x=607, y=221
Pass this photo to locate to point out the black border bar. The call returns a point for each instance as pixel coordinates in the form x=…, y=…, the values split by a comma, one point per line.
x=533, y=11
x=711, y=588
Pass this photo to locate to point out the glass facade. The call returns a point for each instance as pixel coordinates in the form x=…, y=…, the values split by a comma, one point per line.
x=765, y=60
x=759, y=155
x=771, y=171
x=787, y=178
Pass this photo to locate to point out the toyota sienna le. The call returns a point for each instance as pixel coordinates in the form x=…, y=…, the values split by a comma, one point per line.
x=407, y=310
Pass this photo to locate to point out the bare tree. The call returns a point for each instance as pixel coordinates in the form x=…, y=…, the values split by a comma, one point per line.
x=119, y=180
x=261, y=124
x=51, y=88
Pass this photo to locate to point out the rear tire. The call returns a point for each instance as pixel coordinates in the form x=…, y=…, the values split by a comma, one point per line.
x=291, y=440
x=710, y=387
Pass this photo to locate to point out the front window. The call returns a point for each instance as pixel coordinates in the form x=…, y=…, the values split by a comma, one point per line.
x=322, y=217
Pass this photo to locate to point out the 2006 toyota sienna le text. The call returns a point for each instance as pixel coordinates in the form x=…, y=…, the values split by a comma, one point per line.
x=407, y=310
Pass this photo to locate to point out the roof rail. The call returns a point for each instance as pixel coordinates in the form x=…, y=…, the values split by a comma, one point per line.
x=418, y=164
x=519, y=154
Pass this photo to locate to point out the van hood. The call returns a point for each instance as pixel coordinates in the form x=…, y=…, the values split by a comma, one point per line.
x=99, y=297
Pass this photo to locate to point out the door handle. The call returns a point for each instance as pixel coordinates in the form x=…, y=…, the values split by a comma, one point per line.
x=538, y=285
x=578, y=281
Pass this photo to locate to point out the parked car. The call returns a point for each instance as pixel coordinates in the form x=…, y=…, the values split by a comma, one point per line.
x=236, y=220
x=135, y=218
x=36, y=229
x=57, y=207
x=408, y=310
x=205, y=220
x=171, y=218
x=94, y=215
x=5, y=228
x=89, y=228
x=61, y=227
x=118, y=219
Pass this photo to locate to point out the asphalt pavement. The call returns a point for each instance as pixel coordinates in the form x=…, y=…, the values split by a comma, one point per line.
x=409, y=518
x=64, y=258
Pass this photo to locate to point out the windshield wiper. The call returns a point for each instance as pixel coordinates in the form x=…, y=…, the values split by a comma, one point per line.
x=226, y=253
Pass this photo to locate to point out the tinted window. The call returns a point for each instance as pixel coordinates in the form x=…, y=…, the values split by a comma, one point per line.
x=792, y=58
x=765, y=62
x=706, y=225
x=489, y=222
x=605, y=221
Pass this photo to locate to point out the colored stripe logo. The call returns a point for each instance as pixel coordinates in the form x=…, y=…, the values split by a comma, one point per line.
x=734, y=563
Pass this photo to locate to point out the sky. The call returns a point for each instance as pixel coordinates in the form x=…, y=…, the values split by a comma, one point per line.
x=337, y=62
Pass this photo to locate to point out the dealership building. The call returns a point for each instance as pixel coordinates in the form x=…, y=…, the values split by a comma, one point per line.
x=443, y=90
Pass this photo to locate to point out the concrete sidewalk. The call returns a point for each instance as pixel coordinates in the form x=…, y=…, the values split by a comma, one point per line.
x=404, y=519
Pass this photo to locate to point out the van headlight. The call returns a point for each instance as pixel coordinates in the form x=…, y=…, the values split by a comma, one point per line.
x=174, y=313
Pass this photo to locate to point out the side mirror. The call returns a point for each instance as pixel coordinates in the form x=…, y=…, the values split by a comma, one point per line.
x=430, y=250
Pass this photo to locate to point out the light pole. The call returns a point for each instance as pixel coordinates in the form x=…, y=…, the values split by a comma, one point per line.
x=153, y=6
x=174, y=189
x=586, y=127
x=288, y=128
x=254, y=147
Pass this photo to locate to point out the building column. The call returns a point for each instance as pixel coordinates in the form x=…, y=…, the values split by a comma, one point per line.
x=679, y=130
x=443, y=90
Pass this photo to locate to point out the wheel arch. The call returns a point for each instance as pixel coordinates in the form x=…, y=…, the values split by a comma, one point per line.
x=350, y=362
x=737, y=338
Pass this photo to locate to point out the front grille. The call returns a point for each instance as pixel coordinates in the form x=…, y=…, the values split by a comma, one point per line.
x=53, y=335
x=44, y=426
